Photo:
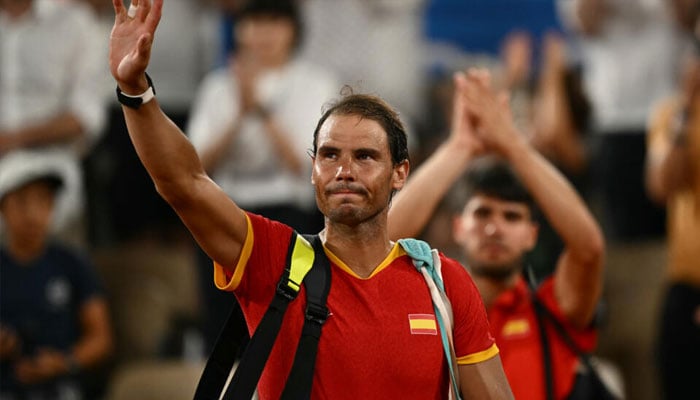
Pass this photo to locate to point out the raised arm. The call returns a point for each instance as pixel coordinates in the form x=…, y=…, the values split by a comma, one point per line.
x=216, y=222
x=413, y=206
x=669, y=162
x=579, y=268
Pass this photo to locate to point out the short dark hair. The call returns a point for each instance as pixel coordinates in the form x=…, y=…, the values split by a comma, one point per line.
x=492, y=176
x=277, y=8
x=52, y=180
x=376, y=109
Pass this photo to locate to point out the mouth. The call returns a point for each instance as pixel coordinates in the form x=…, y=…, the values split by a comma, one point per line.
x=346, y=191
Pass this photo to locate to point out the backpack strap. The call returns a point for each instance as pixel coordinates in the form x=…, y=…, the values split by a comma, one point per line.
x=427, y=262
x=543, y=315
x=318, y=284
x=300, y=258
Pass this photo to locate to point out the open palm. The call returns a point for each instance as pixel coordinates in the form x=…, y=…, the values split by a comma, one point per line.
x=131, y=39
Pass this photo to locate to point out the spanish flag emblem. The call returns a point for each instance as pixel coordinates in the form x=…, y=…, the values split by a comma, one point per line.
x=422, y=324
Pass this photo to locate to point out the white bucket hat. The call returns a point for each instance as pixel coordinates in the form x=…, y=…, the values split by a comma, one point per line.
x=20, y=168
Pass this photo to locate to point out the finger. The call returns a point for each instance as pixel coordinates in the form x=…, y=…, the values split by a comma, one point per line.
x=154, y=14
x=144, y=7
x=144, y=47
x=119, y=10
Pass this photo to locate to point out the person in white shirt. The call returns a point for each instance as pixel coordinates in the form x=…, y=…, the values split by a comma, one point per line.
x=250, y=124
x=52, y=81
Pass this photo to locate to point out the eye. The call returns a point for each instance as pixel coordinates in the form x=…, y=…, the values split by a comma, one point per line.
x=366, y=155
x=328, y=154
x=513, y=216
x=482, y=213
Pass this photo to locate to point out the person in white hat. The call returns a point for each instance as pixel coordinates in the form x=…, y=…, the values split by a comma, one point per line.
x=54, y=321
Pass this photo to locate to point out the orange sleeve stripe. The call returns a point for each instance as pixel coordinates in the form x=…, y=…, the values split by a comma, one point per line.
x=478, y=357
x=226, y=282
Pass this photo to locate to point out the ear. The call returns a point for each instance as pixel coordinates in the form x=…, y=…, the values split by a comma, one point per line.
x=533, y=233
x=457, y=229
x=313, y=168
x=400, y=174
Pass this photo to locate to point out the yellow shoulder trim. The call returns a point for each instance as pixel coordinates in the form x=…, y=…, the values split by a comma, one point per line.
x=478, y=357
x=220, y=279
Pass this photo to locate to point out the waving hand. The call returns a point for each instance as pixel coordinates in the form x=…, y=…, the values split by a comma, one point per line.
x=131, y=40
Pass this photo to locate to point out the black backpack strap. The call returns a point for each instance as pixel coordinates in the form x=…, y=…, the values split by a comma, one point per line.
x=543, y=313
x=317, y=283
x=221, y=359
x=255, y=356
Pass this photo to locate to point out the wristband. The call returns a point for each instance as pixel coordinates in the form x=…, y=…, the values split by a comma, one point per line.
x=136, y=101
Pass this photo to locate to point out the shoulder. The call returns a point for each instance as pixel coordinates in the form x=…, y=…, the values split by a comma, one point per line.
x=452, y=266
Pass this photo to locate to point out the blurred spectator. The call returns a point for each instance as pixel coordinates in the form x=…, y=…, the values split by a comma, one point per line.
x=629, y=55
x=54, y=323
x=251, y=122
x=494, y=225
x=51, y=90
x=673, y=179
x=549, y=107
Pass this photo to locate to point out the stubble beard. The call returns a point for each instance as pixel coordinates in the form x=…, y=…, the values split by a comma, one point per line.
x=496, y=272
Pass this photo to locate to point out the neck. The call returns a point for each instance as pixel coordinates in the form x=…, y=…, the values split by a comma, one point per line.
x=490, y=288
x=362, y=248
x=25, y=252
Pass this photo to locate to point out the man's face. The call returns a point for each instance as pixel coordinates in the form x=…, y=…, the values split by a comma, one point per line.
x=27, y=213
x=353, y=173
x=495, y=235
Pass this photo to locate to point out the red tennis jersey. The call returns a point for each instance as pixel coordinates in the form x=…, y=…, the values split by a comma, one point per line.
x=381, y=339
x=514, y=325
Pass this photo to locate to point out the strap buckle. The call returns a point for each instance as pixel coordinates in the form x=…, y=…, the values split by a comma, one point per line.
x=285, y=291
x=316, y=313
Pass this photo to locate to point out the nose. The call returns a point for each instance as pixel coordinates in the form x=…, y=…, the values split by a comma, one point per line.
x=491, y=228
x=345, y=171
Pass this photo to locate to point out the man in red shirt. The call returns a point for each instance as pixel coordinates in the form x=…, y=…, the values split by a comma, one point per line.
x=495, y=228
x=380, y=340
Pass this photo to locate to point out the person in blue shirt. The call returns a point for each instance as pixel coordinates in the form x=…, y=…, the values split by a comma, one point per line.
x=54, y=322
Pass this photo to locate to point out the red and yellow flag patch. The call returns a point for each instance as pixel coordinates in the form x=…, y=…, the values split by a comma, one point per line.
x=422, y=324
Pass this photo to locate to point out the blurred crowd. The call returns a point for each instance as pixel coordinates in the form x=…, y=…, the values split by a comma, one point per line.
x=604, y=89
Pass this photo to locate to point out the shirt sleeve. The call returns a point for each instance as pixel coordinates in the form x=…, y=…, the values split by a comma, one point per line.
x=472, y=337
x=261, y=263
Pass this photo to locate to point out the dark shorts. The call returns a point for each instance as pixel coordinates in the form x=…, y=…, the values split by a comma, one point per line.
x=618, y=181
x=679, y=342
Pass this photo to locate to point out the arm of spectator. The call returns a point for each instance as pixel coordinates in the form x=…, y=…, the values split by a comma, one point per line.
x=484, y=380
x=672, y=123
x=555, y=134
x=9, y=343
x=216, y=222
x=94, y=346
x=413, y=206
x=96, y=342
x=247, y=72
x=578, y=273
x=62, y=128
x=668, y=158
